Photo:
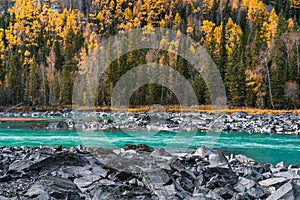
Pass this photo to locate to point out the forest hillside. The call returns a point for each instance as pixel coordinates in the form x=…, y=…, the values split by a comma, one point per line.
x=255, y=44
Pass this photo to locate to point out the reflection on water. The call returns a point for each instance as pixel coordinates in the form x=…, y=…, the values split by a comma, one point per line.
x=261, y=147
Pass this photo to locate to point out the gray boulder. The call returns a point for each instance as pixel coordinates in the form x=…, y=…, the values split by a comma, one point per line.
x=244, y=184
x=55, y=187
x=160, y=152
x=273, y=181
x=159, y=182
x=284, y=192
x=216, y=158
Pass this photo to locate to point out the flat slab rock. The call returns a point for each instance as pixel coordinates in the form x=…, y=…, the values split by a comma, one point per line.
x=272, y=181
x=285, y=192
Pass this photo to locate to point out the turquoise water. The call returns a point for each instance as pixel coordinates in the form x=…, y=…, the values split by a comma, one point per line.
x=261, y=147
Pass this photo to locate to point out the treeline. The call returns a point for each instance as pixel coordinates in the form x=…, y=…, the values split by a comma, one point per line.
x=255, y=44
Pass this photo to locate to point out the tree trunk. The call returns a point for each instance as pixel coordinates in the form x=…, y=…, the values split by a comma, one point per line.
x=60, y=88
x=269, y=84
x=44, y=84
x=51, y=93
x=298, y=60
x=51, y=65
x=162, y=95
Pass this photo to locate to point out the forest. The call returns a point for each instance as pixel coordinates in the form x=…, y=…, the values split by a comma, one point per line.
x=255, y=44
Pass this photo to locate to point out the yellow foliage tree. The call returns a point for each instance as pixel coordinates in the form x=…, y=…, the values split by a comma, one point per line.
x=2, y=47
x=207, y=5
x=177, y=20
x=291, y=24
x=254, y=79
x=26, y=24
x=233, y=35
x=207, y=29
x=273, y=23
x=256, y=8
x=212, y=35
x=295, y=4
x=53, y=23
x=235, y=4
x=11, y=37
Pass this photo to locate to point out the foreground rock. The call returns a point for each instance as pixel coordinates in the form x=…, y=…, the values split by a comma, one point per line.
x=139, y=172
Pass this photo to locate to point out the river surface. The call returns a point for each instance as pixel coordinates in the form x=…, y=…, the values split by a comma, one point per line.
x=263, y=148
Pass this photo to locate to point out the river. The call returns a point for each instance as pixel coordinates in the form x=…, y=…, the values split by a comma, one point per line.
x=263, y=148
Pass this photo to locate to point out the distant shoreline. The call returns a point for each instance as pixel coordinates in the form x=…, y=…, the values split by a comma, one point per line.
x=167, y=108
x=25, y=119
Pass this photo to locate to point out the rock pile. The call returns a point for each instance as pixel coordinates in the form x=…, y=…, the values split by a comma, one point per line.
x=184, y=122
x=286, y=123
x=140, y=172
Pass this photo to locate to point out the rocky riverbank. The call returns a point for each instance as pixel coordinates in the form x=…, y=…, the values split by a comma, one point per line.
x=287, y=123
x=140, y=172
